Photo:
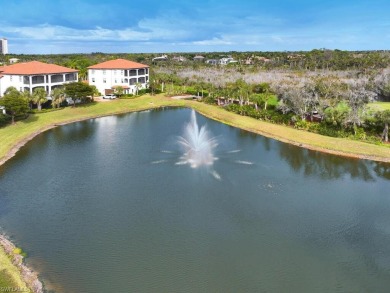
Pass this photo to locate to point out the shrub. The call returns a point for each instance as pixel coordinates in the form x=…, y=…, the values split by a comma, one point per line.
x=301, y=124
x=4, y=119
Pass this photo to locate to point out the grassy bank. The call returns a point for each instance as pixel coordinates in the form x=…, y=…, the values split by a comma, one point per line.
x=14, y=136
x=10, y=278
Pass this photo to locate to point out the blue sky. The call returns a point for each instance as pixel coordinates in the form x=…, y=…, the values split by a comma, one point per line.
x=129, y=26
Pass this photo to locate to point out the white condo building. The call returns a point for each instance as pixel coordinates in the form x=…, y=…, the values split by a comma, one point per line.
x=3, y=46
x=35, y=74
x=127, y=74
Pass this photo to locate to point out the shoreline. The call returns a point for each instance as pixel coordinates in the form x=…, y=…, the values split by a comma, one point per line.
x=189, y=104
x=27, y=276
x=155, y=102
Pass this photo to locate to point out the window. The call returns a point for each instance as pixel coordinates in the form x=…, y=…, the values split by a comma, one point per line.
x=104, y=72
x=115, y=81
x=104, y=80
x=10, y=77
x=93, y=79
x=20, y=78
x=92, y=71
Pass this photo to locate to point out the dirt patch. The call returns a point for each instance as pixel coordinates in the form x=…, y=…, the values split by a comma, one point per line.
x=184, y=97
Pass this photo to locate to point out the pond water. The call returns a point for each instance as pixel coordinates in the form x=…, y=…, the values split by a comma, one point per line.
x=107, y=205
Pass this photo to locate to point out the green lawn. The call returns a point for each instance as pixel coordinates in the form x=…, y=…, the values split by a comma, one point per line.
x=9, y=275
x=379, y=106
x=11, y=135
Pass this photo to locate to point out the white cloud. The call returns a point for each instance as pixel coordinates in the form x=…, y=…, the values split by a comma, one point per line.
x=213, y=42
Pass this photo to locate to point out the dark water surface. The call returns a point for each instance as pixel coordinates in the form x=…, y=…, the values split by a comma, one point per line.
x=101, y=206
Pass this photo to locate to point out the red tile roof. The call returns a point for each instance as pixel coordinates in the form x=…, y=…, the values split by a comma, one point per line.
x=35, y=67
x=118, y=64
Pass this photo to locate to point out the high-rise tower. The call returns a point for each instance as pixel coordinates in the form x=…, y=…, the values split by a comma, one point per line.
x=3, y=46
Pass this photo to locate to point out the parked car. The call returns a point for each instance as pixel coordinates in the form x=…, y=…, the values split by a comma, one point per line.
x=109, y=96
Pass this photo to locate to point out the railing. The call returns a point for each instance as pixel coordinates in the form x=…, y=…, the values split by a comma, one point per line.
x=57, y=78
x=38, y=79
x=70, y=77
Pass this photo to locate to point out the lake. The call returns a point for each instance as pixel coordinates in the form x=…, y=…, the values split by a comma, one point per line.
x=105, y=205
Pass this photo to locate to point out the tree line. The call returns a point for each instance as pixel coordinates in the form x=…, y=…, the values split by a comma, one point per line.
x=325, y=104
x=19, y=104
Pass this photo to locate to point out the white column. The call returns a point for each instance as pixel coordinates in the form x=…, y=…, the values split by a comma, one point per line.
x=30, y=83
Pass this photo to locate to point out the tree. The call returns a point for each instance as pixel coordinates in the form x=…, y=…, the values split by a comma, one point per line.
x=78, y=91
x=357, y=97
x=264, y=91
x=39, y=97
x=384, y=117
x=118, y=90
x=58, y=96
x=293, y=97
x=137, y=87
x=27, y=95
x=95, y=92
x=15, y=104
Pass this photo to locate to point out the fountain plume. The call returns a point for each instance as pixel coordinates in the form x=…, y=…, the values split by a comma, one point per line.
x=198, y=147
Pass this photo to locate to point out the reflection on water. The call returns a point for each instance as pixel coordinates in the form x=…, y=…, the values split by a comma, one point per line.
x=101, y=206
x=324, y=165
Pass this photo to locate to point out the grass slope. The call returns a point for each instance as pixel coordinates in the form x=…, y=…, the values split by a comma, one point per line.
x=10, y=275
x=13, y=135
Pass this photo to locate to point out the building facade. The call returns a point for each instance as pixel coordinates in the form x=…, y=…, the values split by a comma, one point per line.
x=129, y=75
x=31, y=75
x=3, y=46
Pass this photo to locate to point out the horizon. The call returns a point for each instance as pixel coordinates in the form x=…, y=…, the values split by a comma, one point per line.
x=194, y=52
x=85, y=27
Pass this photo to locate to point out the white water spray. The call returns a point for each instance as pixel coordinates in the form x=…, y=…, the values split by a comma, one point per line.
x=198, y=147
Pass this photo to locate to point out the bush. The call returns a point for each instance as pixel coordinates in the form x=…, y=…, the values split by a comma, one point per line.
x=44, y=110
x=143, y=91
x=4, y=119
x=127, y=96
x=301, y=124
x=209, y=100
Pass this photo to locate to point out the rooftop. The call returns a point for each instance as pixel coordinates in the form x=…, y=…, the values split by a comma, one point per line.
x=34, y=67
x=118, y=64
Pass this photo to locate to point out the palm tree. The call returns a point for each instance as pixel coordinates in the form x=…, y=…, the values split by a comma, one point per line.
x=137, y=87
x=39, y=97
x=58, y=96
x=26, y=94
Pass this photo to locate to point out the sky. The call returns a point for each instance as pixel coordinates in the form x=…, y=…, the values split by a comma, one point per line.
x=163, y=26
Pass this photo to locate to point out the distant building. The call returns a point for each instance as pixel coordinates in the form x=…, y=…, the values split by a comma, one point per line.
x=212, y=61
x=198, y=58
x=160, y=58
x=13, y=60
x=3, y=46
x=127, y=74
x=179, y=59
x=35, y=74
x=227, y=60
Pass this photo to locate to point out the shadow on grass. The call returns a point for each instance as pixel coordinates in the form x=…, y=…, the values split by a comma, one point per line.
x=86, y=105
x=29, y=119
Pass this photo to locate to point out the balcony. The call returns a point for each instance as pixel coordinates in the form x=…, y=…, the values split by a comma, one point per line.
x=70, y=77
x=57, y=78
x=38, y=79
